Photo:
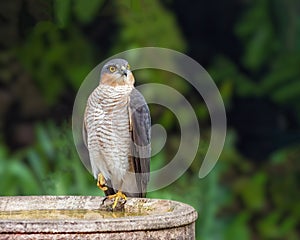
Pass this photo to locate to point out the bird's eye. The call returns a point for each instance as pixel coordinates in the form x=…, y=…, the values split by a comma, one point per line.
x=112, y=69
x=128, y=67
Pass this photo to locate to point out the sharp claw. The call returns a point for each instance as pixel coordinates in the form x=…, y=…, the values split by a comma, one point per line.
x=104, y=200
x=115, y=203
x=117, y=196
x=101, y=183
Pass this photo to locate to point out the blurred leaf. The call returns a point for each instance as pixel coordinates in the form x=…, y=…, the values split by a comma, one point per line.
x=22, y=176
x=282, y=82
x=287, y=93
x=87, y=11
x=62, y=12
x=259, y=48
x=66, y=58
x=252, y=190
x=239, y=227
x=211, y=199
x=260, y=42
x=45, y=142
x=36, y=164
x=202, y=111
x=225, y=71
x=226, y=90
x=159, y=23
x=157, y=161
x=269, y=225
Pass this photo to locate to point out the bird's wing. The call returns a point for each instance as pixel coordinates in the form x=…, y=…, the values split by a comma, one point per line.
x=84, y=134
x=83, y=146
x=140, y=126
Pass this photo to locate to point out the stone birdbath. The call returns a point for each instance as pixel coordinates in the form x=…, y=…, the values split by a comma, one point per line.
x=84, y=217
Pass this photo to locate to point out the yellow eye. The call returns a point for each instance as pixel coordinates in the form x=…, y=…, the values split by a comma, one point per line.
x=112, y=69
x=128, y=67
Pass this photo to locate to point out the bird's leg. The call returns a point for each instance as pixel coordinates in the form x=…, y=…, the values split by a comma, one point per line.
x=101, y=182
x=117, y=196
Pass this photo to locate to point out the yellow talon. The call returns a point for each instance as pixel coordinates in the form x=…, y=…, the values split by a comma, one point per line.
x=117, y=196
x=101, y=182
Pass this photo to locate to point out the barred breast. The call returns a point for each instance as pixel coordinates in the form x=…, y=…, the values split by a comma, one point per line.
x=108, y=136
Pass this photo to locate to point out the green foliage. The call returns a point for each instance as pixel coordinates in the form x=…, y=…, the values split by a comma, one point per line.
x=83, y=11
x=55, y=59
x=62, y=10
x=16, y=174
x=238, y=199
x=86, y=12
x=50, y=167
x=271, y=54
x=238, y=227
x=260, y=42
x=146, y=24
x=253, y=190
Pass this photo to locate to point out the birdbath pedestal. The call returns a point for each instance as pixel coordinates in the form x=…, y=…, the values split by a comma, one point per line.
x=84, y=217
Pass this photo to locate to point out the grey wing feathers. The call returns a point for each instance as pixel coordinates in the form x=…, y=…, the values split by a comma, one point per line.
x=84, y=148
x=141, y=136
x=84, y=134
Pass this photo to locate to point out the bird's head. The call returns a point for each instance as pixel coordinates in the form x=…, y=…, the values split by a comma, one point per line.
x=116, y=72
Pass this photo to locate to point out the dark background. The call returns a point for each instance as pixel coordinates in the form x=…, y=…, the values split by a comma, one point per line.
x=250, y=48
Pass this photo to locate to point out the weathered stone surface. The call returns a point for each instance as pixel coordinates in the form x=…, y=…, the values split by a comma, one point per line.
x=83, y=217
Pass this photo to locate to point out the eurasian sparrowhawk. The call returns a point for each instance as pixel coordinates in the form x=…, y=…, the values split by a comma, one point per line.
x=116, y=131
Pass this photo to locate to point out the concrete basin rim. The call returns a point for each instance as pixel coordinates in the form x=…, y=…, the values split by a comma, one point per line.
x=182, y=214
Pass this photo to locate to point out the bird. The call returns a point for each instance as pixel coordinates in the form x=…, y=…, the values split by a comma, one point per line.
x=117, y=133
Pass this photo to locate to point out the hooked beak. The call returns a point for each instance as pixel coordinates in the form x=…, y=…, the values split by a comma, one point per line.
x=124, y=71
